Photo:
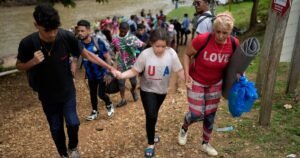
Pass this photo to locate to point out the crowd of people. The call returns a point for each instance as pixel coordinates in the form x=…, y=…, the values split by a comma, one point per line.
x=140, y=48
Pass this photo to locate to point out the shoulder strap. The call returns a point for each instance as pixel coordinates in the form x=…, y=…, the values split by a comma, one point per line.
x=203, y=46
x=206, y=15
x=95, y=39
x=233, y=43
x=36, y=41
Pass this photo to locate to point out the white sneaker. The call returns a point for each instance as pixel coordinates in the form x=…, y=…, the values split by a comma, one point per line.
x=182, y=137
x=92, y=116
x=211, y=151
x=73, y=153
x=110, y=110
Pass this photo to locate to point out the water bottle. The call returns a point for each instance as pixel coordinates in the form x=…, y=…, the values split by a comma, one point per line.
x=225, y=129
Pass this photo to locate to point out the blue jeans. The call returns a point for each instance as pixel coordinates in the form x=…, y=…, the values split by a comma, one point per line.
x=56, y=113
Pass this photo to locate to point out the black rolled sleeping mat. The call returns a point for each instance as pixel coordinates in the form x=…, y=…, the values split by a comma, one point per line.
x=239, y=62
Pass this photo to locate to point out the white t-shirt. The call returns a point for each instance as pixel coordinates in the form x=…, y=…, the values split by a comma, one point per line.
x=157, y=70
x=205, y=25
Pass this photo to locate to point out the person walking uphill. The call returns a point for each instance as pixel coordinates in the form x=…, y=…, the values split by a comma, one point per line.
x=155, y=64
x=45, y=56
x=96, y=74
x=203, y=21
x=125, y=46
x=204, y=77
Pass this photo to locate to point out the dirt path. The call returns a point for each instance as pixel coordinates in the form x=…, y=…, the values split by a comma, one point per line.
x=24, y=130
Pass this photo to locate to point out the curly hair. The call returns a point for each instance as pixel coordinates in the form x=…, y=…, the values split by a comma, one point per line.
x=46, y=16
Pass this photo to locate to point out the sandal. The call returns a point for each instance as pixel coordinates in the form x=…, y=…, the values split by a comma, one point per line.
x=149, y=152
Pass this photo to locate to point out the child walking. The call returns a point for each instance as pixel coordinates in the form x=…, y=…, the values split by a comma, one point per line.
x=155, y=65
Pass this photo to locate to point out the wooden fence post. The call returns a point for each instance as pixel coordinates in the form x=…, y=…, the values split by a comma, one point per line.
x=276, y=36
x=265, y=51
x=294, y=73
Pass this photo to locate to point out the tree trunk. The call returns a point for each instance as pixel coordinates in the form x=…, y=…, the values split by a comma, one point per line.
x=253, y=18
x=270, y=59
x=212, y=6
x=294, y=73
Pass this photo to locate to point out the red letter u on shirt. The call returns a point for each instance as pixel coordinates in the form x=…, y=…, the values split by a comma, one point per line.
x=151, y=70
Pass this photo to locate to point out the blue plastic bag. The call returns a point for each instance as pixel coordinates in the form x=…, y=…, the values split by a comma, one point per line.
x=242, y=96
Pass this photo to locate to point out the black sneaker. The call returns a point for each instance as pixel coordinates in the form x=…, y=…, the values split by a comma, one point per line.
x=110, y=110
x=94, y=114
x=121, y=103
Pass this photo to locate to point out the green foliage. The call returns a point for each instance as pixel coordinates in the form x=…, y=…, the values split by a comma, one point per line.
x=179, y=12
x=263, y=7
x=282, y=137
x=2, y=69
x=240, y=11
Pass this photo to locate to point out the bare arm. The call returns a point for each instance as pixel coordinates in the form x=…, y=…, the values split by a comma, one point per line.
x=189, y=52
x=128, y=74
x=74, y=66
x=180, y=74
x=108, y=58
x=38, y=57
x=96, y=60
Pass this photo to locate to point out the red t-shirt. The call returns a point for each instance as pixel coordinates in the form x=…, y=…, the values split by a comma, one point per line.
x=212, y=60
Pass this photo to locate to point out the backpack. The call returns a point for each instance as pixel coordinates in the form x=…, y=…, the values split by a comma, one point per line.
x=206, y=42
x=113, y=86
x=206, y=15
x=96, y=44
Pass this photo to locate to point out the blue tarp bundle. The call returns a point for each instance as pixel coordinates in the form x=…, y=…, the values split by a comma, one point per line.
x=241, y=97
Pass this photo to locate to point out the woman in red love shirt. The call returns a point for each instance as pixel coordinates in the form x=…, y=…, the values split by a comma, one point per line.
x=204, y=77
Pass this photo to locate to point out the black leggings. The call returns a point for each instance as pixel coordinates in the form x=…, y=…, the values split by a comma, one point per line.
x=98, y=87
x=151, y=103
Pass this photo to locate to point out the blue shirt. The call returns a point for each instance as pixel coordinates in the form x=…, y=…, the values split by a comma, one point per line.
x=185, y=23
x=94, y=71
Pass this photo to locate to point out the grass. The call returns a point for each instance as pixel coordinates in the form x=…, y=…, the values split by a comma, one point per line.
x=2, y=69
x=240, y=12
x=282, y=136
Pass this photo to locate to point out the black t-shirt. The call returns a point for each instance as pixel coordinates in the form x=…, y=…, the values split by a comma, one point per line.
x=53, y=75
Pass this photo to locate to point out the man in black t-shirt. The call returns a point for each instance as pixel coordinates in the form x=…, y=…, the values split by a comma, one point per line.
x=46, y=53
